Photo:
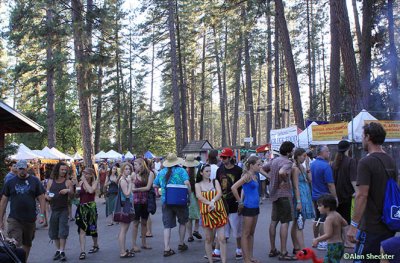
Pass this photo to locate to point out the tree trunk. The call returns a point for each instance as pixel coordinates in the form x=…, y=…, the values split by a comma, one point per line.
x=183, y=86
x=152, y=70
x=325, y=79
x=269, y=72
x=174, y=70
x=357, y=23
x=51, y=109
x=118, y=102
x=312, y=112
x=258, y=108
x=334, y=79
x=81, y=75
x=249, y=88
x=365, y=57
x=97, y=130
x=220, y=89
x=130, y=135
x=238, y=73
x=276, y=78
x=225, y=94
x=347, y=54
x=192, y=102
x=203, y=87
x=290, y=66
x=394, y=98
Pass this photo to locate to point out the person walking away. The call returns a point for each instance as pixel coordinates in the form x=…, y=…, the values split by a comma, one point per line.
x=322, y=183
x=194, y=213
x=58, y=189
x=111, y=186
x=143, y=179
x=22, y=191
x=345, y=176
x=125, y=185
x=373, y=171
x=102, y=179
x=227, y=175
x=334, y=223
x=281, y=194
x=86, y=212
x=213, y=213
x=302, y=201
x=172, y=173
x=249, y=208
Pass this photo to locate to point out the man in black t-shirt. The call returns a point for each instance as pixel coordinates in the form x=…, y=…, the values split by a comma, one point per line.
x=227, y=175
x=372, y=175
x=22, y=191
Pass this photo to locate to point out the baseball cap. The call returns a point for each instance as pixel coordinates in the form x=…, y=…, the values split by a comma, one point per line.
x=226, y=152
x=343, y=146
x=22, y=164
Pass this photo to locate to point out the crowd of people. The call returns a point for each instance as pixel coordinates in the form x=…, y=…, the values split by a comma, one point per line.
x=343, y=198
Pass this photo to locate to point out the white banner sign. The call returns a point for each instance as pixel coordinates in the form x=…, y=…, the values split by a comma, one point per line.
x=281, y=135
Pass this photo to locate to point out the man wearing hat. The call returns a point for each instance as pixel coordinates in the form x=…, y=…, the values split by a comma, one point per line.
x=345, y=176
x=227, y=175
x=22, y=190
x=173, y=173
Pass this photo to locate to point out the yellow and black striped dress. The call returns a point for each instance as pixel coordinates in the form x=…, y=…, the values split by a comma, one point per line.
x=215, y=218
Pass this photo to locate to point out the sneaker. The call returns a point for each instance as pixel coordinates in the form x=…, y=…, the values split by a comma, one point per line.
x=238, y=256
x=63, y=257
x=57, y=255
x=215, y=257
x=322, y=245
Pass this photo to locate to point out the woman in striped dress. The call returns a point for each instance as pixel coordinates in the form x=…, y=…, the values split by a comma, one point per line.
x=212, y=210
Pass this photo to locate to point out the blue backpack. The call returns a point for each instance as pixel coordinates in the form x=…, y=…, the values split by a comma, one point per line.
x=391, y=205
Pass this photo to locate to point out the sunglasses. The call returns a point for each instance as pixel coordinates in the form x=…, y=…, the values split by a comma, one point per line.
x=224, y=157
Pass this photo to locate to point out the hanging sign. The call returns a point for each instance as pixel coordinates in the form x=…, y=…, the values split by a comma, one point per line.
x=286, y=134
x=330, y=132
x=392, y=128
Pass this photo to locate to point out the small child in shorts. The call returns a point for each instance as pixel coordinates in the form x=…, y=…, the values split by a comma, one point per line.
x=332, y=227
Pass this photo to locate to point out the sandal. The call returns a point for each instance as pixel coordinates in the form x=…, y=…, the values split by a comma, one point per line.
x=286, y=257
x=190, y=239
x=135, y=250
x=110, y=224
x=82, y=255
x=168, y=253
x=295, y=251
x=127, y=255
x=273, y=253
x=146, y=247
x=94, y=249
x=197, y=234
x=182, y=247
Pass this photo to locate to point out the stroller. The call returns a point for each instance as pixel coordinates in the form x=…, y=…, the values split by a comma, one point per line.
x=8, y=248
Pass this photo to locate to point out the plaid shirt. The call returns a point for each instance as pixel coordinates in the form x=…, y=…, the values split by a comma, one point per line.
x=278, y=187
x=140, y=197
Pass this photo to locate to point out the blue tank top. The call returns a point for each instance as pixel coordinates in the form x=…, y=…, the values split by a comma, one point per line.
x=251, y=195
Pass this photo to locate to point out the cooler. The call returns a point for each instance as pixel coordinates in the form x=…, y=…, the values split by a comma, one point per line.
x=176, y=194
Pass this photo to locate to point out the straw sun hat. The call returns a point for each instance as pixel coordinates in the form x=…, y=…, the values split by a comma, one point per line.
x=190, y=161
x=172, y=160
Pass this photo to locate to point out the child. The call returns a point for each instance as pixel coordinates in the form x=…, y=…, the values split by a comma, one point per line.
x=332, y=228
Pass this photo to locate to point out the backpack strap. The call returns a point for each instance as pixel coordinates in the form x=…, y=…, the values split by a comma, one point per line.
x=384, y=168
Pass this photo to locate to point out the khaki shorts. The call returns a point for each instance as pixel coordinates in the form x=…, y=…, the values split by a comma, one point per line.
x=282, y=210
x=23, y=232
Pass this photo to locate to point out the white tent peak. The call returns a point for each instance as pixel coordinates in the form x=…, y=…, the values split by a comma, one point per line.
x=77, y=156
x=355, y=127
x=129, y=155
x=111, y=154
x=305, y=137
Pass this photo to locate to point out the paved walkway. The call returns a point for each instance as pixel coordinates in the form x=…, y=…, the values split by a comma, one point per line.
x=43, y=250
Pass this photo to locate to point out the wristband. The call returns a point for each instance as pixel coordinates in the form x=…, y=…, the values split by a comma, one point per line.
x=42, y=215
x=354, y=224
x=298, y=201
x=240, y=202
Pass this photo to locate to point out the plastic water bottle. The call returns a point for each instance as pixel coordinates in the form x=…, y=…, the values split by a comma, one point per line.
x=300, y=222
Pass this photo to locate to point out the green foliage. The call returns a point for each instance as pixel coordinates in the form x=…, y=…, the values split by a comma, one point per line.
x=4, y=153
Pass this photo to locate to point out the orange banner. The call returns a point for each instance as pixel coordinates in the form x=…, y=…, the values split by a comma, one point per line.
x=392, y=128
x=330, y=132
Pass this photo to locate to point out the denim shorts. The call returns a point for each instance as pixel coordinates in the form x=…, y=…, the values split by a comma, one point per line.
x=58, y=225
x=171, y=212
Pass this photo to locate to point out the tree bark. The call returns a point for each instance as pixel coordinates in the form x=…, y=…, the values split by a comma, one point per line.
x=238, y=73
x=225, y=93
x=393, y=61
x=81, y=75
x=220, y=90
x=312, y=111
x=290, y=66
x=365, y=57
x=347, y=53
x=192, y=102
x=51, y=109
x=203, y=87
x=357, y=23
x=249, y=88
x=99, y=106
x=334, y=80
x=152, y=70
x=174, y=70
x=183, y=86
x=269, y=72
x=276, y=77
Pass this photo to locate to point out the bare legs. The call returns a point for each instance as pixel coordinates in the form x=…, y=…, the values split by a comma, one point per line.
x=209, y=233
x=143, y=228
x=249, y=226
x=122, y=237
x=297, y=237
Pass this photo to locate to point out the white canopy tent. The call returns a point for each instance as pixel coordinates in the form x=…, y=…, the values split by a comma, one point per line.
x=129, y=155
x=305, y=137
x=24, y=153
x=111, y=154
x=100, y=155
x=77, y=156
x=46, y=153
x=355, y=127
x=62, y=155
